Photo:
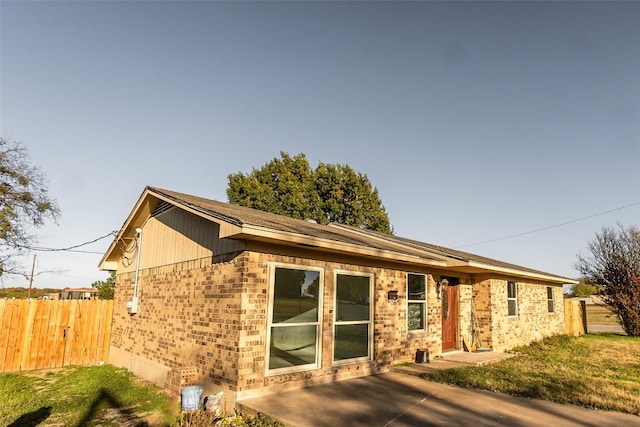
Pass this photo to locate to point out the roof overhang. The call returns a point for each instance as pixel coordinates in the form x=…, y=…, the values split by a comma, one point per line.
x=251, y=232
x=231, y=228
x=474, y=267
x=136, y=219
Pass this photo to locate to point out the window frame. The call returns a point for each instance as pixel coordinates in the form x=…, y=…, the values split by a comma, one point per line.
x=513, y=298
x=423, y=302
x=550, y=300
x=270, y=324
x=337, y=323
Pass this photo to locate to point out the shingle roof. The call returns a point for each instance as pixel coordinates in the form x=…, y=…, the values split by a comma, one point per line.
x=240, y=215
x=243, y=216
x=464, y=256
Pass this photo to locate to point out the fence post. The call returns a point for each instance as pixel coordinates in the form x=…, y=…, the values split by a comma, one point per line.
x=575, y=317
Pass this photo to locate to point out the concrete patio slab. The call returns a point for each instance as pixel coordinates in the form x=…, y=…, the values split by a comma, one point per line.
x=449, y=360
x=399, y=400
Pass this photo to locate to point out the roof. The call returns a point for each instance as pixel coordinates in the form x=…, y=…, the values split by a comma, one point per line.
x=242, y=223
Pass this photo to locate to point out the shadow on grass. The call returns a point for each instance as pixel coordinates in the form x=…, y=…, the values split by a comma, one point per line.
x=32, y=419
x=125, y=415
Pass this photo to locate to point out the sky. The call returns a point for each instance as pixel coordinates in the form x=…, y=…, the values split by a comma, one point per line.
x=509, y=130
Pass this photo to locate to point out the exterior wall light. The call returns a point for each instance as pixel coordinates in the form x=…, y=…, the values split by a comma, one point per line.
x=441, y=287
x=392, y=295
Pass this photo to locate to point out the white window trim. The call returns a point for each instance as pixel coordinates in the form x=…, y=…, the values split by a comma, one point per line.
x=515, y=285
x=552, y=300
x=272, y=276
x=358, y=322
x=423, y=302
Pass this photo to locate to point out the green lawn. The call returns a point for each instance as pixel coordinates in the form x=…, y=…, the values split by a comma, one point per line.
x=98, y=396
x=600, y=371
x=596, y=371
x=81, y=396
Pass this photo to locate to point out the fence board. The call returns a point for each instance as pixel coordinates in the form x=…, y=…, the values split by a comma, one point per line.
x=54, y=330
x=106, y=333
x=43, y=331
x=5, y=324
x=37, y=334
x=75, y=333
x=82, y=324
x=20, y=307
x=95, y=332
x=88, y=328
x=10, y=330
x=65, y=350
x=26, y=336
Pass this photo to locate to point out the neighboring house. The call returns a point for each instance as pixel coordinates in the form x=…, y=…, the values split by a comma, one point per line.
x=252, y=302
x=79, y=293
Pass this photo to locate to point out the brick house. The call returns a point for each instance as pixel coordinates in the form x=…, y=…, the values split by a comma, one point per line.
x=250, y=303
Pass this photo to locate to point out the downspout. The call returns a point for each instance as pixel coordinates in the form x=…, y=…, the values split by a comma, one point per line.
x=132, y=305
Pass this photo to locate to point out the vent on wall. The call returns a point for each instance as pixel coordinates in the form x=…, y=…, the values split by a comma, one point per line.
x=161, y=208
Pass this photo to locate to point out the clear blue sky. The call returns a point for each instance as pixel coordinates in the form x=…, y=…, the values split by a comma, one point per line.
x=474, y=120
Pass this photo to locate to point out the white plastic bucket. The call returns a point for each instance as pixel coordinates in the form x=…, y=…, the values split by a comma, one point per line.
x=191, y=397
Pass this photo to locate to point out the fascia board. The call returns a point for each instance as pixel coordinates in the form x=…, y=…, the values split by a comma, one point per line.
x=522, y=273
x=108, y=265
x=130, y=223
x=256, y=232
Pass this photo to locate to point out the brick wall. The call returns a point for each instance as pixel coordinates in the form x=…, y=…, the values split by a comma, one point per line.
x=392, y=343
x=533, y=321
x=212, y=317
x=188, y=316
x=483, y=306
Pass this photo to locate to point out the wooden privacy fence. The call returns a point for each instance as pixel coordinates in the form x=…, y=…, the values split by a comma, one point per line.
x=575, y=317
x=40, y=334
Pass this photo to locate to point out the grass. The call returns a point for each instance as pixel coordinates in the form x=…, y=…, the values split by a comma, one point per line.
x=599, y=371
x=98, y=396
x=81, y=396
x=595, y=371
x=599, y=314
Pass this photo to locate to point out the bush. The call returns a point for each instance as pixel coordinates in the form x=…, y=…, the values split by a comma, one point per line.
x=201, y=419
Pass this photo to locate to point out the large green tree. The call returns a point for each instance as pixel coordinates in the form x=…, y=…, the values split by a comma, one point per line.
x=24, y=203
x=613, y=264
x=329, y=193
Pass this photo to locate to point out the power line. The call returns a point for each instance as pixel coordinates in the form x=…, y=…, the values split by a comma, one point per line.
x=71, y=248
x=549, y=227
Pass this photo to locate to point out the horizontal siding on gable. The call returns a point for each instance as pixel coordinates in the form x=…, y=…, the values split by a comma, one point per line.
x=176, y=236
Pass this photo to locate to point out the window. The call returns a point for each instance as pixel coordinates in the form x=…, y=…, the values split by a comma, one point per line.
x=550, y=299
x=512, y=298
x=294, y=325
x=416, y=302
x=352, y=333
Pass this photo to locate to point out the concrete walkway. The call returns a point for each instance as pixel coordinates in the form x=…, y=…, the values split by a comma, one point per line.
x=396, y=399
x=453, y=359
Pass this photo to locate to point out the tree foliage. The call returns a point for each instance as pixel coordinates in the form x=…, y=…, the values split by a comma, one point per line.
x=106, y=288
x=614, y=266
x=24, y=202
x=583, y=289
x=330, y=193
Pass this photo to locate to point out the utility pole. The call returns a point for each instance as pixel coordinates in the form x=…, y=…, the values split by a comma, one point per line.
x=33, y=267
